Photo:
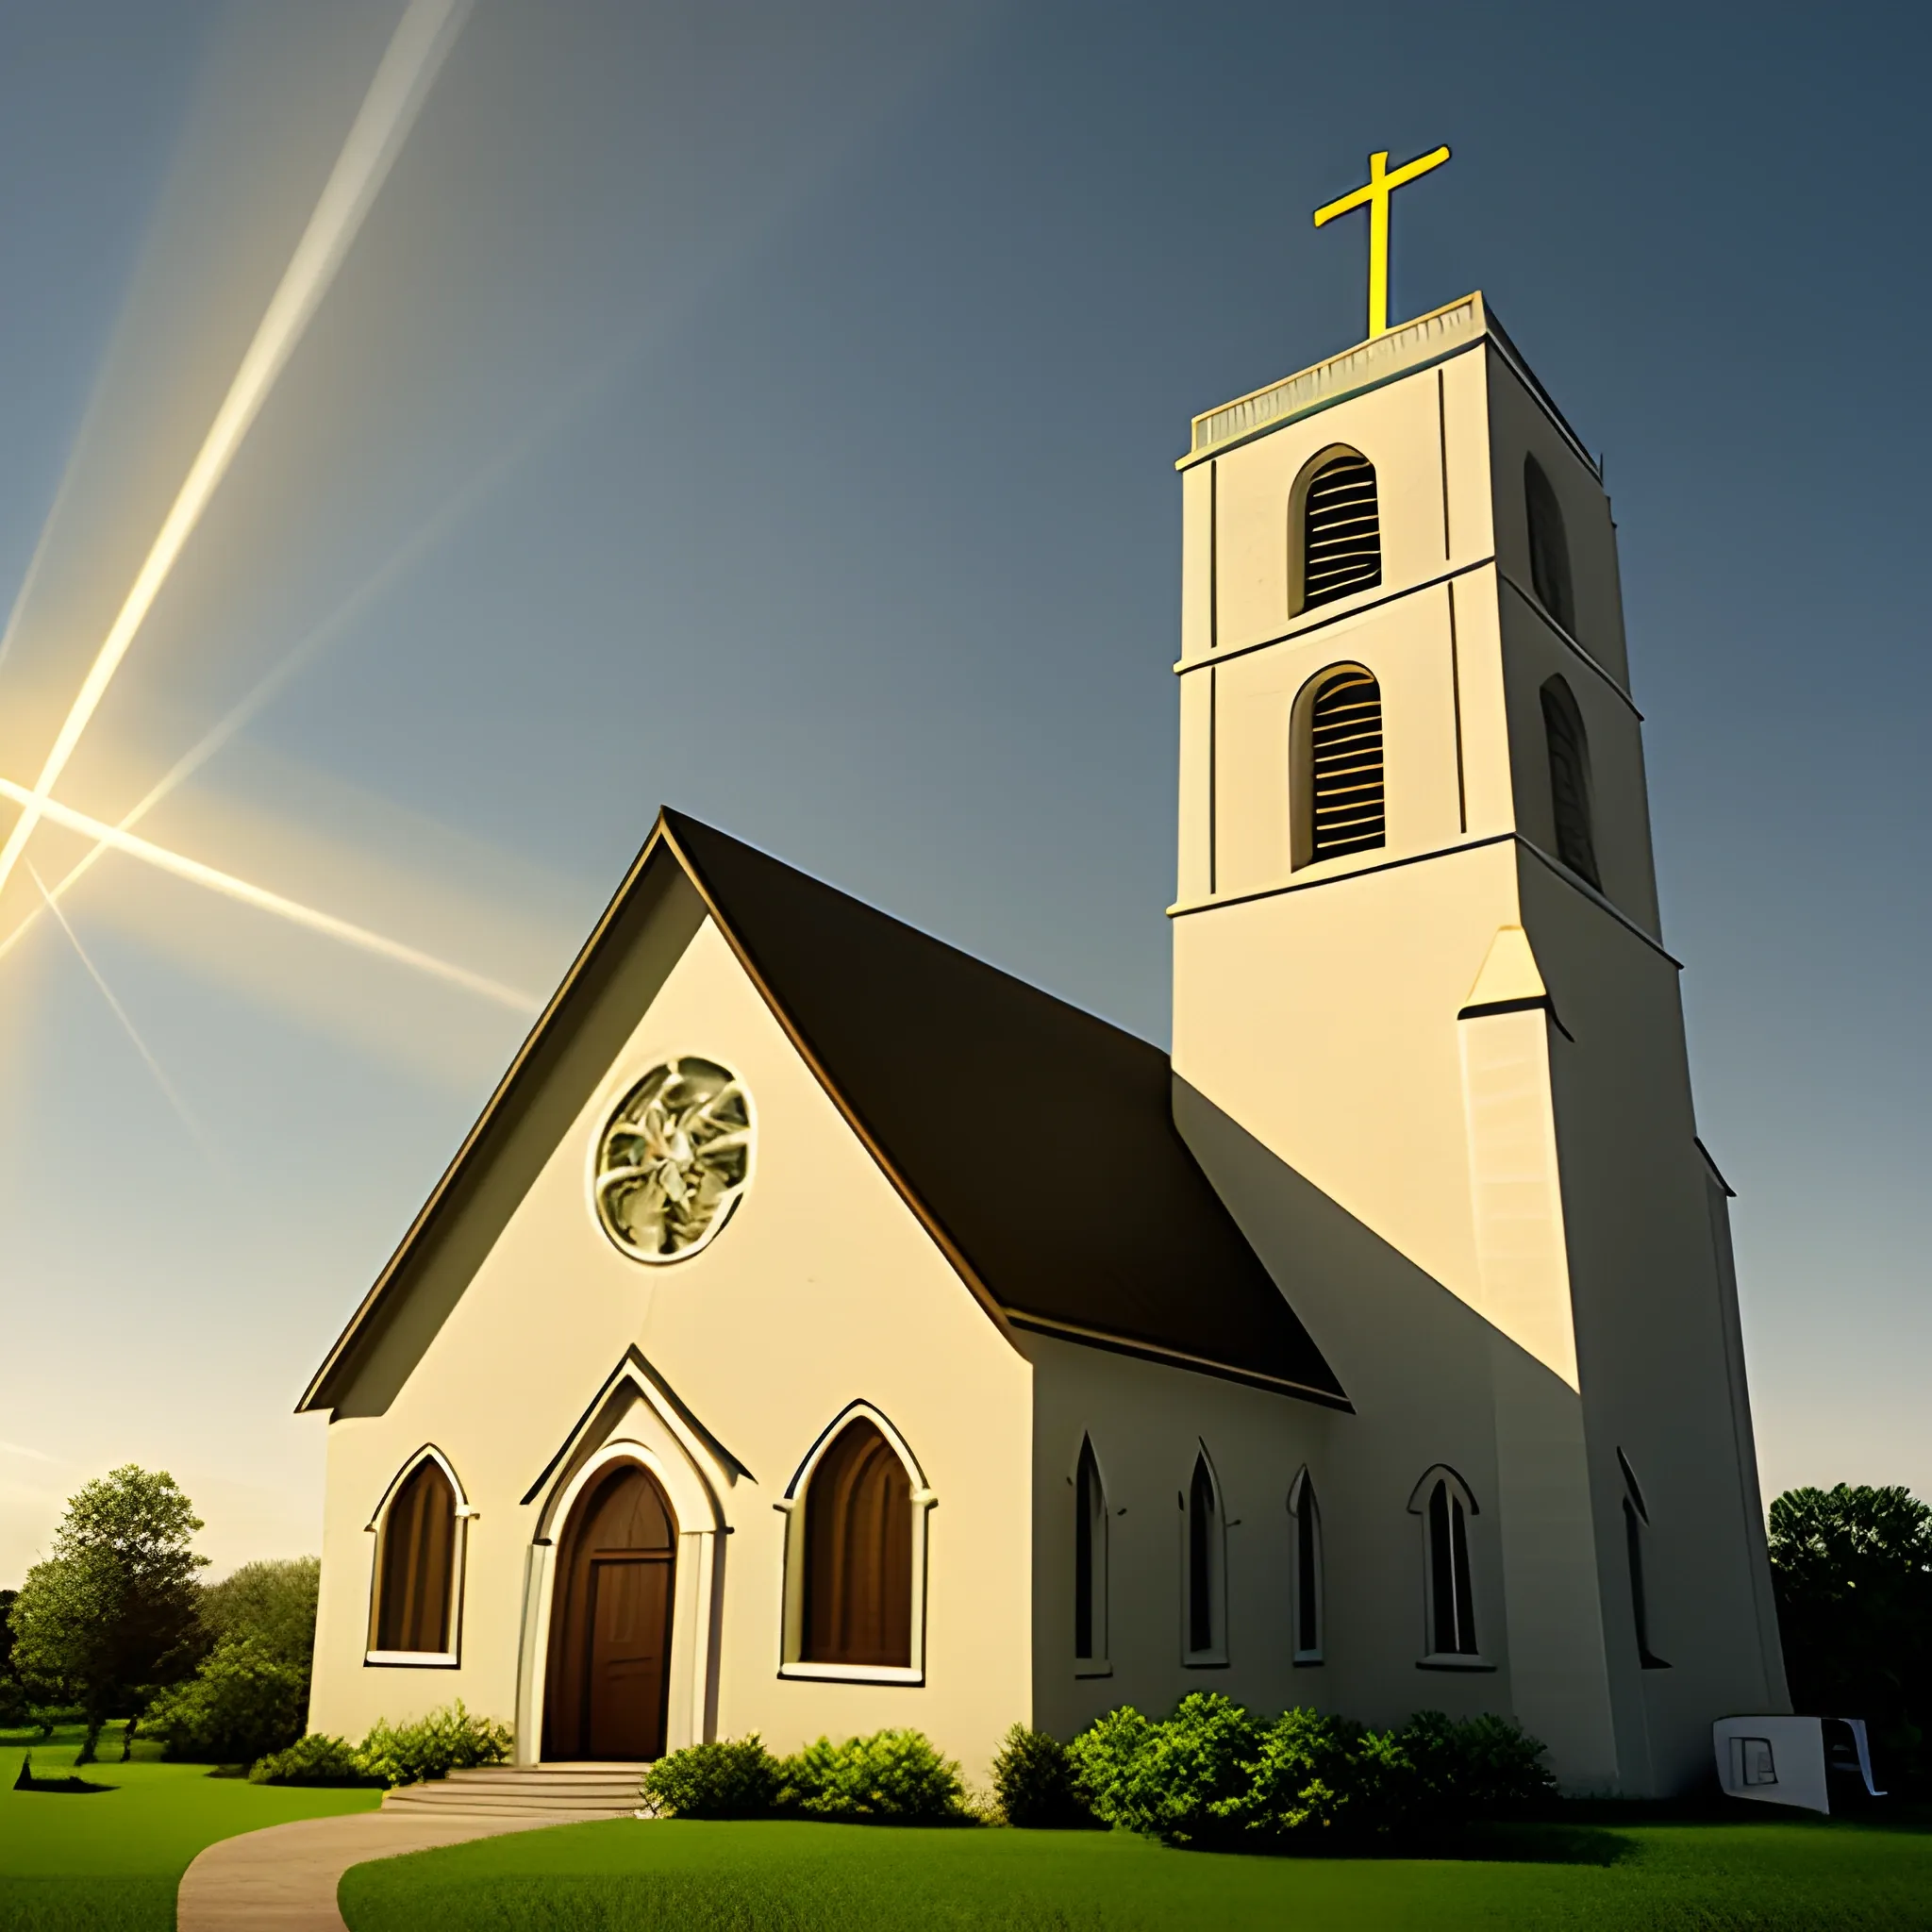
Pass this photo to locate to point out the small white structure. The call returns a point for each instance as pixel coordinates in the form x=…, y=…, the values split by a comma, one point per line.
x=821, y=1331
x=1792, y=1760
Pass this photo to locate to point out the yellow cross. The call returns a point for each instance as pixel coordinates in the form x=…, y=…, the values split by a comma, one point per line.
x=1374, y=195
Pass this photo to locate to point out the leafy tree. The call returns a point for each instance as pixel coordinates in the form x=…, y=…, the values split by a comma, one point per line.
x=14, y=1700
x=271, y=1603
x=1852, y=1568
x=112, y=1613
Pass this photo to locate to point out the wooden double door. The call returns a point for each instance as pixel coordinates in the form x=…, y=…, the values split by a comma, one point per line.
x=611, y=1619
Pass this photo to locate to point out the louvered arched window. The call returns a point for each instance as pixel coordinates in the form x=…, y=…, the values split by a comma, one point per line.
x=1339, y=550
x=1306, y=1514
x=1549, y=549
x=1635, y=1535
x=1341, y=755
x=1569, y=752
x=858, y=1553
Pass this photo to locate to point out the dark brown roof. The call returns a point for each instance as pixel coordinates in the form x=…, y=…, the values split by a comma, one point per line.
x=1038, y=1141
x=1035, y=1142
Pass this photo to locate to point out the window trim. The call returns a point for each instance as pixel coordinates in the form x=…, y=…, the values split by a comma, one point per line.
x=1302, y=1499
x=1420, y=1497
x=791, y=1589
x=1215, y=1656
x=1099, y=1664
x=450, y=1659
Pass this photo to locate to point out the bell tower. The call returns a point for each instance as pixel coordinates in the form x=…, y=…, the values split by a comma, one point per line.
x=1418, y=961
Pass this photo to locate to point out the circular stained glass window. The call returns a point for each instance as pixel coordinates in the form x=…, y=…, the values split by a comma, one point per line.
x=674, y=1160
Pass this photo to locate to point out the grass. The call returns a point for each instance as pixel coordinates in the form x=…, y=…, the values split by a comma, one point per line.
x=110, y=1861
x=1779, y=1875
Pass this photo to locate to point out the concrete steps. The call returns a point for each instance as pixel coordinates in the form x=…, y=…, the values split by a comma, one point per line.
x=562, y=1793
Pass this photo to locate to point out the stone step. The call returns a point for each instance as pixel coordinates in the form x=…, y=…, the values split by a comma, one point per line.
x=555, y=1792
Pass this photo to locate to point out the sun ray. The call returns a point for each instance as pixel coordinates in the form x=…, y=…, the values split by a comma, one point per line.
x=181, y=1107
x=416, y=50
x=263, y=900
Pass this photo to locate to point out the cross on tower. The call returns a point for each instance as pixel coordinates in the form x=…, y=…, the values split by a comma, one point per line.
x=1374, y=195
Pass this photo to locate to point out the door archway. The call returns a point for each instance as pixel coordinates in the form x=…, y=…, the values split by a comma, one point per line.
x=609, y=1680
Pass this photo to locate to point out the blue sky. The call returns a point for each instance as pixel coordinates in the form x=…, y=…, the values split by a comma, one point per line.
x=770, y=409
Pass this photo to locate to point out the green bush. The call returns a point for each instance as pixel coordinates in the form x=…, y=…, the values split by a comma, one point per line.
x=892, y=1777
x=1033, y=1776
x=445, y=1740
x=243, y=1703
x=740, y=1779
x=272, y=1602
x=1212, y=1775
x=312, y=1760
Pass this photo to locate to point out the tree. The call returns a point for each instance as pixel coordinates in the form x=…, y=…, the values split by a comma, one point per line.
x=112, y=1613
x=250, y=1696
x=1852, y=1568
x=13, y=1692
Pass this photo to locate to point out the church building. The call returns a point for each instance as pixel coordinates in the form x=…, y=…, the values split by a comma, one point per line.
x=822, y=1330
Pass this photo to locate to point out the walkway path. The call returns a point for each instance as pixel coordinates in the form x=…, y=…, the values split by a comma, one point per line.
x=284, y=1880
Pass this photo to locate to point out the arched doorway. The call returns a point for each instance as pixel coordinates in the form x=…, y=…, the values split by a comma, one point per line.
x=610, y=1621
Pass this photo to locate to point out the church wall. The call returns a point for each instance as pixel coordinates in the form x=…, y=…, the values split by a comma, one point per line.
x=1653, y=1309
x=1421, y=1369
x=821, y=1290
x=1148, y=1423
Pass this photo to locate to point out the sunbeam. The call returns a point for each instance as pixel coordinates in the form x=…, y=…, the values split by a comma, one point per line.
x=182, y=1111
x=259, y=897
x=416, y=50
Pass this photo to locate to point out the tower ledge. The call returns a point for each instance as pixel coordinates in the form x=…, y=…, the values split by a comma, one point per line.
x=1418, y=344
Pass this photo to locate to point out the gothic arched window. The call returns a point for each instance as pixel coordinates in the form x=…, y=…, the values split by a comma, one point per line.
x=856, y=1599
x=418, y=1559
x=1090, y=1561
x=1340, y=761
x=1337, y=548
x=1445, y=1507
x=1305, y=1515
x=1206, y=1605
x=1549, y=551
x=1635, y=1534
x=1569, y=752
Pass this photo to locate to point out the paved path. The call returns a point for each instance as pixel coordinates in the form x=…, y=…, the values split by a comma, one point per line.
x=283, y=1879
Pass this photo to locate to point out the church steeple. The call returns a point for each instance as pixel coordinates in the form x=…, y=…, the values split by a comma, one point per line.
x=1417, y=952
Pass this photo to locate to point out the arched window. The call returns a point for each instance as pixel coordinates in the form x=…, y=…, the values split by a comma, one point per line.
x=856, y=1601
x=1445, y=1507
x=1090, y=1561
x=1305, y=1515
x=1569, y=752
x=418, y=1561
x=1549, y=552
x=1340, y=760
x=1340, y=548
x=1636, y=1531
x=1206, y=1607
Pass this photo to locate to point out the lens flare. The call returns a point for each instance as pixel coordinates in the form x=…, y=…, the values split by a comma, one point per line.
x=263, y=900
x=416, y=50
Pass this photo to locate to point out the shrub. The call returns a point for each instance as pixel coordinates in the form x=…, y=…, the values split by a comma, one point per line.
x=1170, y=1780
x=1034, y=1777
x=312, y=1760
x=1480, y=1767
x=741, y=1780
x=1212, y=1775
x=1307, y=1774
x=243, y=1703
x=892, y=1777
x=433, y=1746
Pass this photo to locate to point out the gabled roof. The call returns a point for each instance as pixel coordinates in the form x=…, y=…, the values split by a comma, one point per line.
x=1035, y=1142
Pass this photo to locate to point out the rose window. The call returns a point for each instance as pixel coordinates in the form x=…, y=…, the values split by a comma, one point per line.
x=675, y=1159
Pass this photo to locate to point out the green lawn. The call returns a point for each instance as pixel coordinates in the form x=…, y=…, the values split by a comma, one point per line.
x=1774, y=1876
x=110, y=1863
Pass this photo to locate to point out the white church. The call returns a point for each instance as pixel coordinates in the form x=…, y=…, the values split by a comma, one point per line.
x=822, y=1330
